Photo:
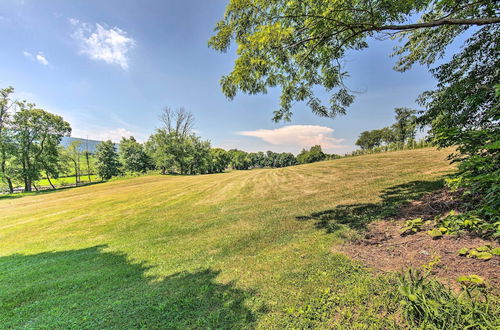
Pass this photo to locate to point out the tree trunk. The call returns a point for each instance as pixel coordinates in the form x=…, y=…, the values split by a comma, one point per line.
x=76, y=173
x=11, y=187
x=88, y=166
x=3, y=169
x=48, y=179
x=27, y=184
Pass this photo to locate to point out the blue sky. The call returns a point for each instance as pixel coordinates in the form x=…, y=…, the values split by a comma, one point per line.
x=109, y=67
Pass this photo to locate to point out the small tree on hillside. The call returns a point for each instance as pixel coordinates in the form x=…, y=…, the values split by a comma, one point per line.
x=73, y=155
x=132, y=156
x=107, y=164
x=405, y=127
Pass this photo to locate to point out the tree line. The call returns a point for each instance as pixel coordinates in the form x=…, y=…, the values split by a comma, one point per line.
x=31, y=150
x=175, y=149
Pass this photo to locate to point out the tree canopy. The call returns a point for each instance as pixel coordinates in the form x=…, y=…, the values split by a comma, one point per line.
x=297, y=45
x=108, y=164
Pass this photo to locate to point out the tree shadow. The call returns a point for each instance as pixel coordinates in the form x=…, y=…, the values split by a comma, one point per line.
x=357, y=216
x=90, y=288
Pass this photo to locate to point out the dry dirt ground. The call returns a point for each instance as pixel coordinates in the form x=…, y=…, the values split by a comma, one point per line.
x=385, y=249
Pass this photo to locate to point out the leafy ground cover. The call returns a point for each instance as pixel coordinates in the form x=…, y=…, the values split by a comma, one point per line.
x=241, y=249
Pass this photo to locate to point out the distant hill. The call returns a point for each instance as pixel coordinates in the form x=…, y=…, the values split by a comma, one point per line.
x=89, y=145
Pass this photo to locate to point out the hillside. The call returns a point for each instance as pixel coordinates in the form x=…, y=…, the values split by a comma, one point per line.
x=238, y=249
x=85, y=144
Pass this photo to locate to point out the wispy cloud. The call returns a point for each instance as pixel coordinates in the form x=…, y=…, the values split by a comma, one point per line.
x=301, y=136
x=28, y=55
x=38, y=57
x=42, y=59
x=101, y=42
x=103, y=134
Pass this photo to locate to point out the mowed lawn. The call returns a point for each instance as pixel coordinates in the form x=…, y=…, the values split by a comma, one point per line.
x=242, y=249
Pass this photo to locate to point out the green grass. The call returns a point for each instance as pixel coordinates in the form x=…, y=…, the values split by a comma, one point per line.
x=66, y=181
x=232, y=250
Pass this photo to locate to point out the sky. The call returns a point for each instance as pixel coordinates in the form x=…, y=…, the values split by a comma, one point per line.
x=110, y=67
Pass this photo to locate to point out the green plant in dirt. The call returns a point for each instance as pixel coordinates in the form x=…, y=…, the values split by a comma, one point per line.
x=469, y=221
x=485, y=252
x=429, y=304
x=413, y=226
x=436, y=259
x=437, y=232
x=471, y=280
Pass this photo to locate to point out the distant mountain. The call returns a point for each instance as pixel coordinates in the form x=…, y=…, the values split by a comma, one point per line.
x=86, y=145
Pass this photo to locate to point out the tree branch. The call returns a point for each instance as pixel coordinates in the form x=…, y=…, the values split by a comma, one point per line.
x=440, y=22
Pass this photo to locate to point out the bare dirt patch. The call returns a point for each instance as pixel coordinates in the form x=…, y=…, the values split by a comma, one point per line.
x=430, y=205
x=385, y=249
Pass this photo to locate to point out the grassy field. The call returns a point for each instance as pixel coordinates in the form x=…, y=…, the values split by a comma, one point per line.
x=66, y=181
x=58, y=183
x=239, y=249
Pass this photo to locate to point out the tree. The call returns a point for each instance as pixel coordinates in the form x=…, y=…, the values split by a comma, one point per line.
x=177, y=121
x=107, y=163
x=36, y=134
x=405, y=127
x=370, y=139
x=132, y=156
x=73, y=154
x=183, y=154
x=286, y=159
x=464, y=111
x=297, y=45
x=314, y=154
x=220, y=160
x=240, y=160
x=6, y=143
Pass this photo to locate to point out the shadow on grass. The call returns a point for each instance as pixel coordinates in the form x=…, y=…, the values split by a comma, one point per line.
x=90, y=288
x=45, y=191
x=357, y=216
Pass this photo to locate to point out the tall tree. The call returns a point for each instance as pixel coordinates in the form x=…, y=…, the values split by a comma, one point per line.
x=6, y=143
x=297, y=45
x=36, y=134
x=178, y=121
x=464, y=111
x=405, y=127
x=73, y=154
x=107, y=163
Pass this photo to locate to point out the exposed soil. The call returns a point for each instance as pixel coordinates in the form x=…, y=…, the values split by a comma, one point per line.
x=430, y=205
x=385, y=249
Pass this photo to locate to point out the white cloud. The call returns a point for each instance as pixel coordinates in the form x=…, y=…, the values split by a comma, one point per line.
x=103, y=134
x=41, y=58
x=28, y=55
x=99, y=42
x=299, y=136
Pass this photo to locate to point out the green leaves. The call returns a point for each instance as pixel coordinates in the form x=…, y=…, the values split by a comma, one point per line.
x=484, y=252
x=427, y=303
x=107, y=164
x=412, y=226
x=471, y=280
x=299, y=45
x=436, y=233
